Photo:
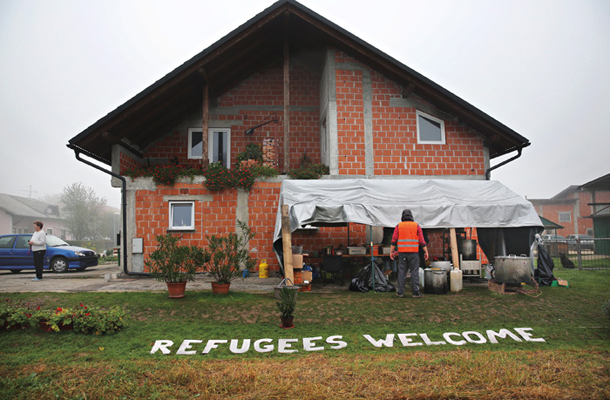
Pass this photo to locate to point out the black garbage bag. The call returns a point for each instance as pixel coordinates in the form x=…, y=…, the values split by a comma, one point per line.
x=544, y=273
x=363, y=281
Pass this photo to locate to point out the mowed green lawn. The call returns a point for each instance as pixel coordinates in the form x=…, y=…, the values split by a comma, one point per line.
x=435, y=347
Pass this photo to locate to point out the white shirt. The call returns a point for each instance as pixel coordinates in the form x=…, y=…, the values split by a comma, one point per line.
x=39, y=240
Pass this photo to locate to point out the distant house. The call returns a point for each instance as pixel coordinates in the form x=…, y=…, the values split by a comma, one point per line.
x=580, y=209
x=307, y=89
x=17, y=215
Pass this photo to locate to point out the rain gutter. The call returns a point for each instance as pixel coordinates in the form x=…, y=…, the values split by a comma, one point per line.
x=488, y=171
x=77, y=153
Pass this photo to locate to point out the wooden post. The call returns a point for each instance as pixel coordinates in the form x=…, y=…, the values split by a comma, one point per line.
x=287, y=243
x=454, y=250
x=286, y=102
x=204, y=126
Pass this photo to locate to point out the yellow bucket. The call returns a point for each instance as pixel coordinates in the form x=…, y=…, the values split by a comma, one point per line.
x=263, y=269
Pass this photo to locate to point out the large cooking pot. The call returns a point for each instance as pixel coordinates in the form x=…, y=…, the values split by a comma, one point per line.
x=435, y=281
x=513, y=269
x=443, y=265
x=468, y=249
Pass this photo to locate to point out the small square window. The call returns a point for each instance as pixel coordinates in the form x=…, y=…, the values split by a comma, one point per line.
x=430, y=130
x=565, y=216
x=182, y=215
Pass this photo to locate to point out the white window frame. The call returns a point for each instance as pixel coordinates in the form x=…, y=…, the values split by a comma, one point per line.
x=563, y=214
x=430, y=117
x=190, y=148
x=211, y=144
x=191, y=226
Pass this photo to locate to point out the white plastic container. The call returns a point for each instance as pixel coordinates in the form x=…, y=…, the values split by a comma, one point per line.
x=421, y=277
x=456, y=280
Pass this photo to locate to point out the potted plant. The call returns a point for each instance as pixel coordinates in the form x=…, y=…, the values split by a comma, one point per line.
x=252, y=155
x=286, y=306
x=174, y=264
x=226, y=257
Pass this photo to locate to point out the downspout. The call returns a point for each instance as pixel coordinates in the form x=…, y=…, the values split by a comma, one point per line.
x=77, y=152
x=488, y=171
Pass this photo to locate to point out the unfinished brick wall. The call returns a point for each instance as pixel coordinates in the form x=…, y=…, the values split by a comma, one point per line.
x=126, y=162
x=395, y=147
x=257, y=99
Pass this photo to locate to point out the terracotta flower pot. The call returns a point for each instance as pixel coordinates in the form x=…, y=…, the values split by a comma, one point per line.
x=176, y=290
x=220, y=288
x=287, y=323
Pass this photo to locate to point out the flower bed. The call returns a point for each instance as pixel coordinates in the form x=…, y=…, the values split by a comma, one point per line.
x=80, y=319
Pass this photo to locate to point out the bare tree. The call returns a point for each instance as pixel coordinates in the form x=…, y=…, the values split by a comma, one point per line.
x=85, y=211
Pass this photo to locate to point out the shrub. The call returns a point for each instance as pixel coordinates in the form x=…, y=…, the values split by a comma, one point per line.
x=98, y=321
x=163, y=174
x=309, y=171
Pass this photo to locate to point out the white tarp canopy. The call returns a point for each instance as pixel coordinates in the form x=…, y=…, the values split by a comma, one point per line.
x=435, y=203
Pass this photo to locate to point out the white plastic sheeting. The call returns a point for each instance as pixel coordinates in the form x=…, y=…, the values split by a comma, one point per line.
x=435, y=203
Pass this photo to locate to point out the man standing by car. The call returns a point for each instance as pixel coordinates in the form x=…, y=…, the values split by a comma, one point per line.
x=408, y=236
x=38, y=244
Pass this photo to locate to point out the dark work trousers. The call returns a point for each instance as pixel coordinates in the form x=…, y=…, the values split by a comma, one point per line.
x=38, y=262
x=408, y=262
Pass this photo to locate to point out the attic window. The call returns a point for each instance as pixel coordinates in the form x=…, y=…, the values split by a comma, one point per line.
x=195, y=144
x=430, y=130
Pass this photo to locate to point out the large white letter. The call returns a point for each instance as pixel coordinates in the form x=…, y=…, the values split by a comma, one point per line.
x=447, y=335
x=162, y=345
x=283, y=345
x=212, y=344
x=186, y=345
x=481, y=339
x=263, y=349
x=428, y=342
x=502, y=335
x=309, y=345
x=388, y=342
x=528, y=336
x=234, y=349
x=408, y=341
x=335, y=340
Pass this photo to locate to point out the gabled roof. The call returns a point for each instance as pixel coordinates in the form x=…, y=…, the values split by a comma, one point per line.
x=253, y=45
x=601, y=183
x=27, y=207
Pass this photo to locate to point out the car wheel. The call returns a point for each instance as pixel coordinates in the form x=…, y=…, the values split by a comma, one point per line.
x=59, y=264
x=15, y=271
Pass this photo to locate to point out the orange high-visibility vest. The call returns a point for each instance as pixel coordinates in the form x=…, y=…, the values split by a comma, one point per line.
x=408, y=241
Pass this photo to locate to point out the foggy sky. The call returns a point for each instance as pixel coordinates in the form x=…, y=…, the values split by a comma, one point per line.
x=539, y=67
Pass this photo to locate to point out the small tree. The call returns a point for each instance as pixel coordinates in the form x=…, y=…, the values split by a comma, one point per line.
x=227, y=255
x=84, y=210
x=173, y=263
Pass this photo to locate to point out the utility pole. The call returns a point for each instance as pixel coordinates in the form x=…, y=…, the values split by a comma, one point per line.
x=30, y=191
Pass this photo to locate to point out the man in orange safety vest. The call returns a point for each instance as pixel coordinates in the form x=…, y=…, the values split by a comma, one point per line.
x=408, y=237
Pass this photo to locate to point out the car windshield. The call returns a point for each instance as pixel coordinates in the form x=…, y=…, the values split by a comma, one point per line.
x=54, y=241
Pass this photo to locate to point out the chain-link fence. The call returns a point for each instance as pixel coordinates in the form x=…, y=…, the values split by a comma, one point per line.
x=586, y=253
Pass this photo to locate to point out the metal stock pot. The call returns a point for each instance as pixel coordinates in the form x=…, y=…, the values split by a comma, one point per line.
x=513, y=269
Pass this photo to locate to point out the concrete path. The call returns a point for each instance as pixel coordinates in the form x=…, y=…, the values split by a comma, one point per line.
x=110, y=278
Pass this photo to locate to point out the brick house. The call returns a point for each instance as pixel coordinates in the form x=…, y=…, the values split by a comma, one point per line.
x=312, y=89
x=580, y=209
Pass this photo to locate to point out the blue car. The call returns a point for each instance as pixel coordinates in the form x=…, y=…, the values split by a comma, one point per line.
x=15, y=254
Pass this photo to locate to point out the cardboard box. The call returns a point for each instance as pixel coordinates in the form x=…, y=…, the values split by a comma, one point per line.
x=356, y=251
x=307, y=275
x=297, y=261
